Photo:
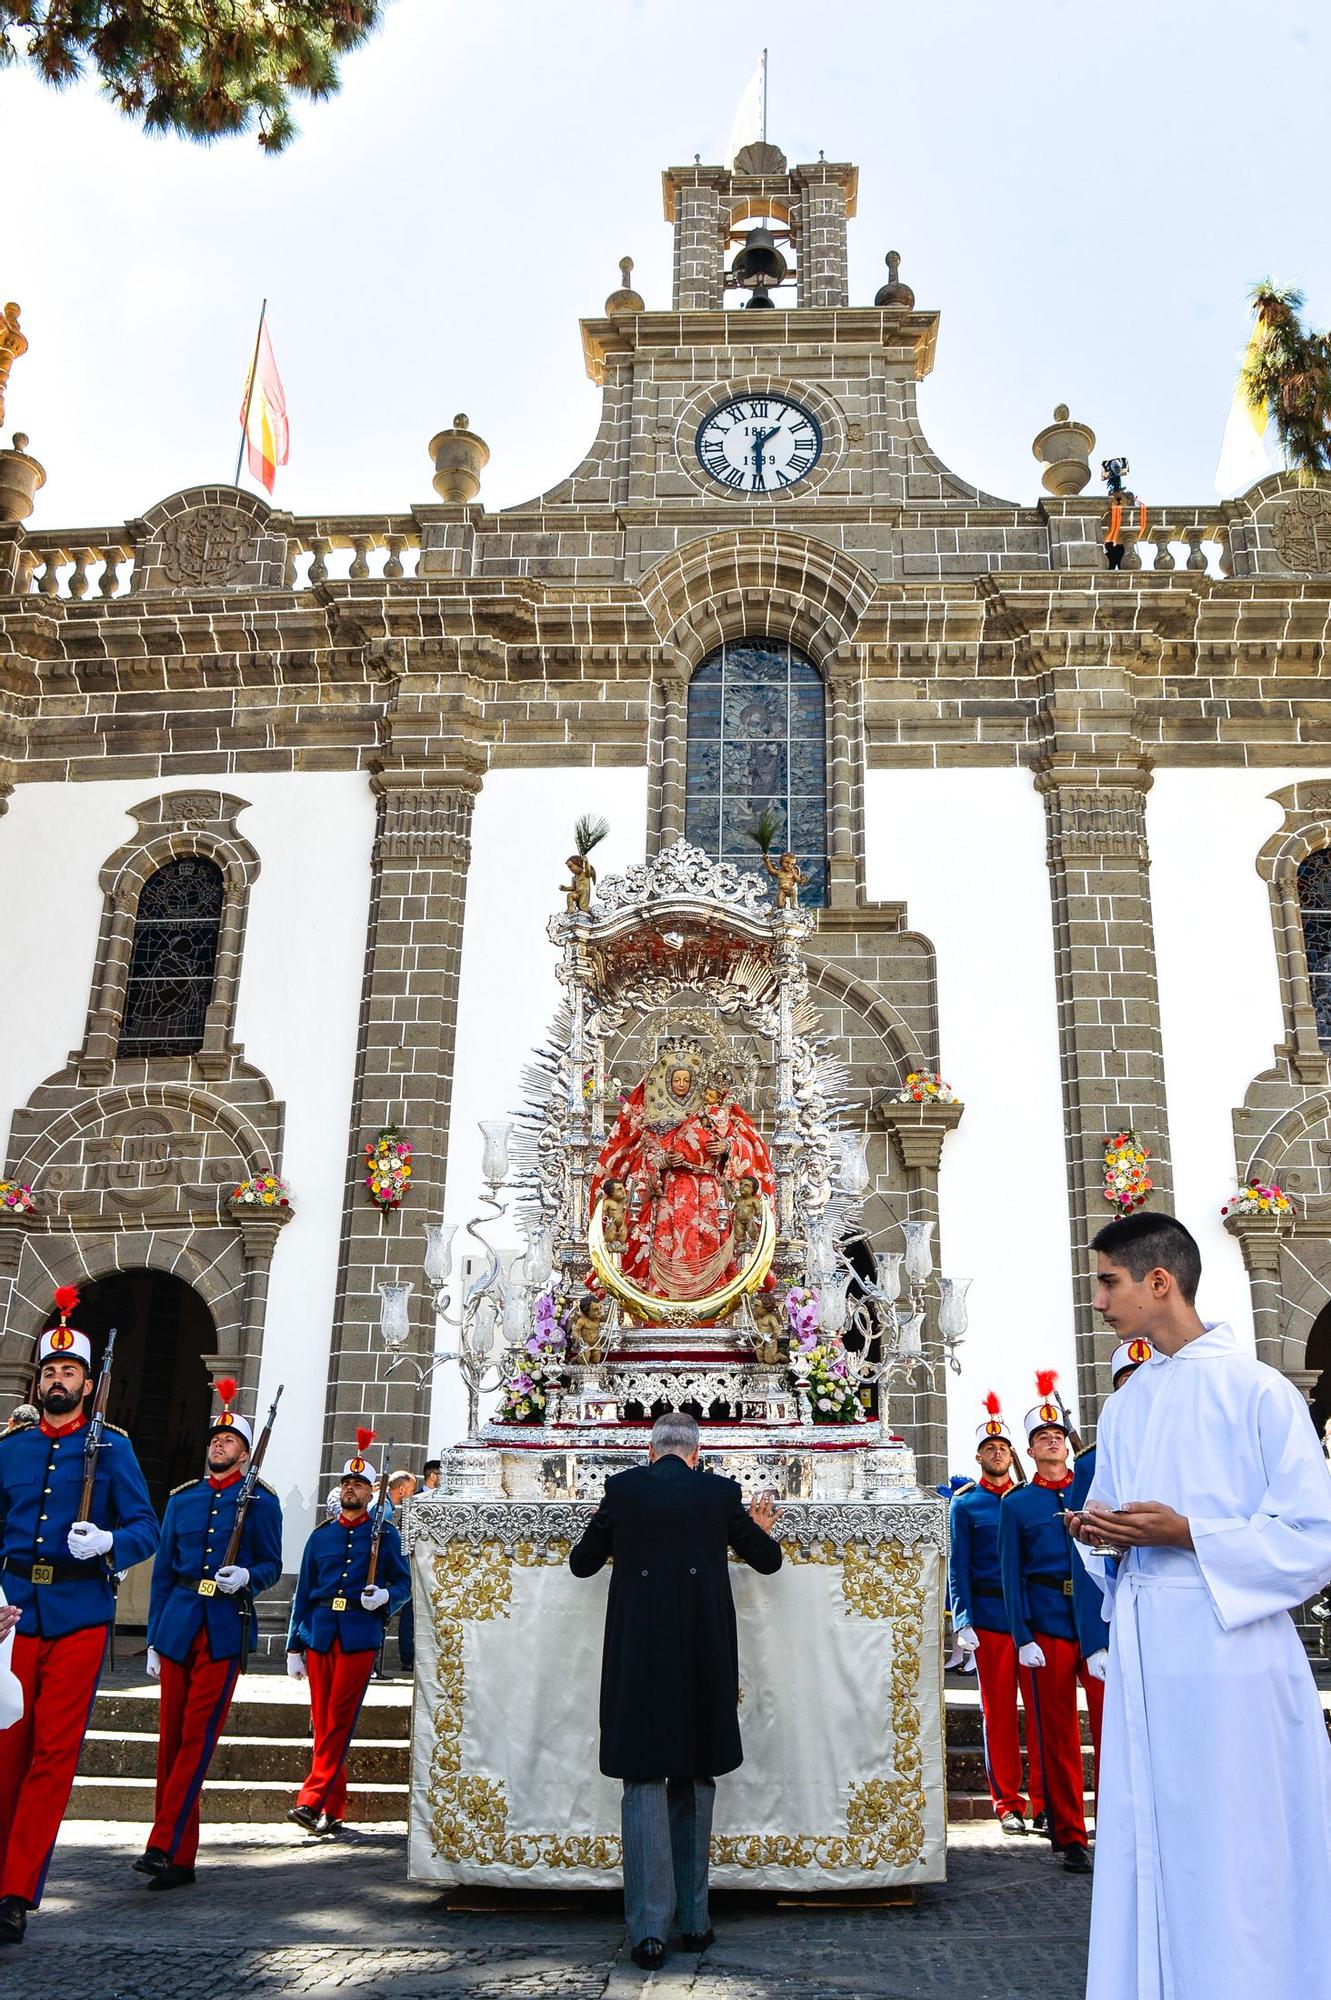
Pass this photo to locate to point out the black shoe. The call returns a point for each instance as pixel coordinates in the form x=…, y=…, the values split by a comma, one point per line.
x=304, y=1816
x=1040, y=1823
x=1012, y=1822
x=173, y=1876
x=1076, y=1860
x=152, y=1861
x=13, y=1919
x=650, y=1954
x=327, y=1827
x=697, y=1940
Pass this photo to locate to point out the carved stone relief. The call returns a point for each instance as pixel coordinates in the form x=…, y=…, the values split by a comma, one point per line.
x=208, y=545
x=1302, y=531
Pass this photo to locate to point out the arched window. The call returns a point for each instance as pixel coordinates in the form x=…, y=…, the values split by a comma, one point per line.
x=758, y=742
x=1315, y=909
x=173, y=960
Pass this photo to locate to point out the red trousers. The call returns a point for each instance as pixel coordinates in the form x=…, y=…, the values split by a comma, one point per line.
x=39, y=1754
x=196, y=1695
x=338, y=1682
x=1057, y=1734
x=999, y=1676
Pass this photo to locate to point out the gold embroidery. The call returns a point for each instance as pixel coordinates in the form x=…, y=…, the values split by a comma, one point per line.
x=884, y=1823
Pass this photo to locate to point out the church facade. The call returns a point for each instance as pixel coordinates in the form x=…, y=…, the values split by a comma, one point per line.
x=287, y=800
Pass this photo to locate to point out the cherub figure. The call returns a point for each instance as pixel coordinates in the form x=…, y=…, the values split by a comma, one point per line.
x=746, y=1214
x=769, y=1325
x=578, y=893
x=788, y=876
x=614, y=1214
x=585, y=1330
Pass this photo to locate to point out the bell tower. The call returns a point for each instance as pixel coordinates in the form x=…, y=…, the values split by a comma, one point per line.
x=798, y=213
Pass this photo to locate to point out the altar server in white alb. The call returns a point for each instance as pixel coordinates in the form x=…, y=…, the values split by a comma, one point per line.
x=1213, y=1847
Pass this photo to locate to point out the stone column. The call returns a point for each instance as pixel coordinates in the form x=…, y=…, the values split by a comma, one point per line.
x=823, y=278
x=670, y=780
x=917, y=1134
x=845, y=761
x=259, y=1233
x=1259, y=1238
x=404, y=1072
x=1095, y=778
x=699, y=248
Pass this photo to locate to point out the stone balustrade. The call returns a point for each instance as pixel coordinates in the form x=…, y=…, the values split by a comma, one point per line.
x=103, y=562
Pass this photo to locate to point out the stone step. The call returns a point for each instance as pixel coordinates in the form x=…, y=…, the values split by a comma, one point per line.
x=385, y=1713
x=244, y=1759
x=223, y=1800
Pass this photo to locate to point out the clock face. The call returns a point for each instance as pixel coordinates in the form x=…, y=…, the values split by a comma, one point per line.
x=759, y=444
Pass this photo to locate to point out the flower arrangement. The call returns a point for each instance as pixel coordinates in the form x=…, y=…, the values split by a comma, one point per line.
x=818, y=1365
x=262, y=1191
x=527, y=1392
x=1259, y=1198
x=388, y=1168
x=1127, y=1177
x=923, y=1086
x=16, y=1198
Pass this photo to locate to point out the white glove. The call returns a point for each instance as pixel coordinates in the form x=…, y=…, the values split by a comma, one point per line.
x=85, y=1541
x=296, y=1666
x=373, y=1597
x=1097, y=1663
x=231, y=1578
x=1031, y=1656
x=154, y=1664
x=968, y=1639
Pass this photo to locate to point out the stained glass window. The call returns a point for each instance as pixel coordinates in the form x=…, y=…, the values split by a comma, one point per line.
x=174, y=956
x=1315, y=904
x=758, y=742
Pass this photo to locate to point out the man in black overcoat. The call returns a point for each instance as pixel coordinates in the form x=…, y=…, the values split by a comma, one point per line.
x=670, y=1669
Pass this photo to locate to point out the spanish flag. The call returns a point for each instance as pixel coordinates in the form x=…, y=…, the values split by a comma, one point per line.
x=1245, y=450
x=263, y=413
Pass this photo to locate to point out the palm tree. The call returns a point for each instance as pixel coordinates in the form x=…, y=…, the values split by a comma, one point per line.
x=1287, y=374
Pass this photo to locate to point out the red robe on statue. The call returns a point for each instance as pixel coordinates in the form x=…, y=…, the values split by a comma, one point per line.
x=678, y=1223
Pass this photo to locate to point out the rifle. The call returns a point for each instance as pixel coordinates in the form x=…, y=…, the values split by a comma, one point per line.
x=1018, y=1469
x=1074, y=1436
x=376, y=1536
x=243, y=1499
x=95, y=1440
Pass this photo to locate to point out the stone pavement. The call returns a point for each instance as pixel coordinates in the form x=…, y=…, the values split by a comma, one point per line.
x=275, y=1914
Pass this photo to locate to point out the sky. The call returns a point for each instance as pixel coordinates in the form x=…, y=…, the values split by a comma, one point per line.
x=1085, y=195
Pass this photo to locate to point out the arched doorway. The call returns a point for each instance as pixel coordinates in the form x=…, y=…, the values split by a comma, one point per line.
x=1317, y=1367
x=160, y=1387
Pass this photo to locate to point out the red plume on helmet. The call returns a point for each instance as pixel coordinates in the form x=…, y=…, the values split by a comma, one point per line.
x=66, y=1298
x=992, y=1404
x=226, y=1389
x=1044, y=1381
x=364, y=1438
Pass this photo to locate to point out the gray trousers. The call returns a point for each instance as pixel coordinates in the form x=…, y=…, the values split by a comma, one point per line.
x=667, y=1829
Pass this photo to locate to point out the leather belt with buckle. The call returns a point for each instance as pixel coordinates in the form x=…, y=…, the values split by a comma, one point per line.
x=43, y=1573
x=207, y=1586
x=338, y=1604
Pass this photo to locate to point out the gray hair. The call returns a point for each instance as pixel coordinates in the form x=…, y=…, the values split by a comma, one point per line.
x=675, y=1435
x=24, y=1417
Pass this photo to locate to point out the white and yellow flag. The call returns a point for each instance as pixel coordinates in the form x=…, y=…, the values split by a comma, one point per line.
x=1246, y=451
x=750, y=124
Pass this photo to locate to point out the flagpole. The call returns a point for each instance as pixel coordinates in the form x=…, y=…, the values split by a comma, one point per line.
x=249, y=397
x=764, y=97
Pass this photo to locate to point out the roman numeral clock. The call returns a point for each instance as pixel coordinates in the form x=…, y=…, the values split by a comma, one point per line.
x=758, y=444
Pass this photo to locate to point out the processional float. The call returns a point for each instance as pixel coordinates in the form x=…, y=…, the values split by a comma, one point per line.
x=683, y=1183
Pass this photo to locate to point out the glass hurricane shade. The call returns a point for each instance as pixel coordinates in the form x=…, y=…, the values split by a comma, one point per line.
x=394, y=1325
x=494, y=1150
x=822, y=1255
x=540, y=1254
x=517, y=1315
x=889, y=1275
x=853, y=1162
x=952, y=1315
x=909, y=1344
x=439, y=1250
x=483, y=1327
x=919, y=1251
x=832, y=1302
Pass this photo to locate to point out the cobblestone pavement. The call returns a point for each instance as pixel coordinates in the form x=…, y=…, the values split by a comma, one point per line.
x=273, y=1914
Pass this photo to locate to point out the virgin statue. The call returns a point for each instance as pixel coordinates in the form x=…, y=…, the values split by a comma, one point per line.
x=680, y=1145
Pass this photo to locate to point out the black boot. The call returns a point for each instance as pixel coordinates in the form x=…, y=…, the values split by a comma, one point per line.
x=152, y=1861
x=13, y=1919
x=650, y=1954
x=173, y=1876
x=697, y=1940
x=304, y=1816
x=1076, y=1860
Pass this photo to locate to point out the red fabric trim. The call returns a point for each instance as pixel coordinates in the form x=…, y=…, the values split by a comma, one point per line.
x=66, y=1430
x=220, y=1485
x=1054, y=1485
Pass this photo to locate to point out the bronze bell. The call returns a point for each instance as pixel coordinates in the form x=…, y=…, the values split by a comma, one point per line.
x=759, y=263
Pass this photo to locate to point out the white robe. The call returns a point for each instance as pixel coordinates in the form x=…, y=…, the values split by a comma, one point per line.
x=1213, y=1841
x=11, y=1692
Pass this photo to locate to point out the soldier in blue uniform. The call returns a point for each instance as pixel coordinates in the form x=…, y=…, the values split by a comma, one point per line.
x=59, y=1570
x=979, y=1618
x=197, y=1619
x=1035, y=1557
x=1087, y=1602
x=337, y=1627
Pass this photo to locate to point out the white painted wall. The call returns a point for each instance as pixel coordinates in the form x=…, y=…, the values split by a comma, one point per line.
x=1220, y=1009
x=508, y=994
x=965, y=849
x=296, y=1016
